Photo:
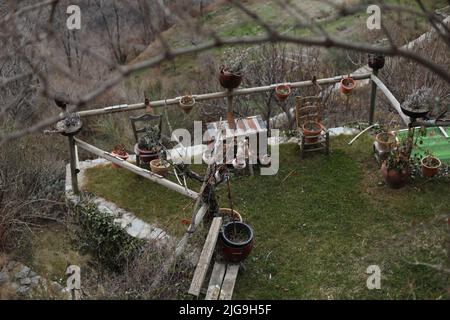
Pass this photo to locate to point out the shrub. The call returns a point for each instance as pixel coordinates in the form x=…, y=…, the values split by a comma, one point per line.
x=96, y=233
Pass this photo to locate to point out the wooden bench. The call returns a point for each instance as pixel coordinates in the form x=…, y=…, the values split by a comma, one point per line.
x=223, y=275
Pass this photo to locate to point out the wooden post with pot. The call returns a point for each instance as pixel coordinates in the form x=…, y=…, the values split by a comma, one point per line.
x=373, y=96
x=73, y=164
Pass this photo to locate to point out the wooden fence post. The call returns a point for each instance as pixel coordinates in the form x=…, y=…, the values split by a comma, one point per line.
x=73, y=164
x=373, y=96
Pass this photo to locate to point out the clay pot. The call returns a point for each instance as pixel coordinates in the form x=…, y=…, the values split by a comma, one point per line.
x=386, y=141
x=187, y=106
x=279, y=92
x=158, y=168
x=430, y=170
x=376, y=61
x=347, y=85
x=229, y=80
x=147, y=155
x=311, y=131
x=236, y=251
x=123, y=157
x=394, y=178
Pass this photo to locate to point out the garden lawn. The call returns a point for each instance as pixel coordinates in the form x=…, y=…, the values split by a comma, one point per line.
x=318, y=229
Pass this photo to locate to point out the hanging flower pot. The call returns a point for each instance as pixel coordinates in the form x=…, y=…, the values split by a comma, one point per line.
x=187, y=103
x=282, y=91
x=386, y=141
x=119, y=152
x=230, y=79
x=376, y=61
x=430, y=166
x=347, y=85
x=311, y=131
x=236, y=241
x=159, y=167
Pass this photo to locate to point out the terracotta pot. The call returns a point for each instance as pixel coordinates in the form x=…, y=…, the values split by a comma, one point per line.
x=386, y=141
x=156, y=167
x=376, y=61
x=347, y=85
x=146, y=155
x=430, y=171
x=312, y=135
x=227, y=216
x=236, y=251
x=229, y=80
x=393, y=177
x=187, y=107
x=282, y=96
x=124, y=158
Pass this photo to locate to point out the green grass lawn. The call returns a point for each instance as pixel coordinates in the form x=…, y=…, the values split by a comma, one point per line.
x=317, y=231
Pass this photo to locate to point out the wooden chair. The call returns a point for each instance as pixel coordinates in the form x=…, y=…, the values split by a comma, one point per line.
x=139, y=124
x=310, y=109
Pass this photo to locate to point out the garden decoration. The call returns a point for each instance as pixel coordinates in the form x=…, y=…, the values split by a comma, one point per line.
x=187, y=103
x=282, y=91
x=119, y=152
x=236, y=236
x=418, y=104
x=149, y=144
x=430, y=165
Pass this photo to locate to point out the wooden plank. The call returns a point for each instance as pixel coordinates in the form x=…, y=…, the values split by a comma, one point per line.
x=229, y=281
x=194, y=224
x=215, y=282
x=394, y=102
x=205, y=257
x=140, y=171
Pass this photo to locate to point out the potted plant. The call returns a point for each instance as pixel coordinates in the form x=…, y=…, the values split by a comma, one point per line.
x=230, y=74
x=282, y=91
x=430, y=165
x=187, y=103
x=312, y=130
x=386, y=140
x=160, y=166
x=347, y=85
x=396, y=168
x=417, y=104
x=119, y=152
x=376, y=61
x=236, y=241
x=149, y=145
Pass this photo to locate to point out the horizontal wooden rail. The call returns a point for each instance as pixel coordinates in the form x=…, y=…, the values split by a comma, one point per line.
x=133, y=168
x=217, y=95
x=394, y=102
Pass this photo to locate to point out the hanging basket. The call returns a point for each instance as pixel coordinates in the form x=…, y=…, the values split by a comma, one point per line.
x=229, y=80
x=347, y=85
x=282, y=91
x=187, y=103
